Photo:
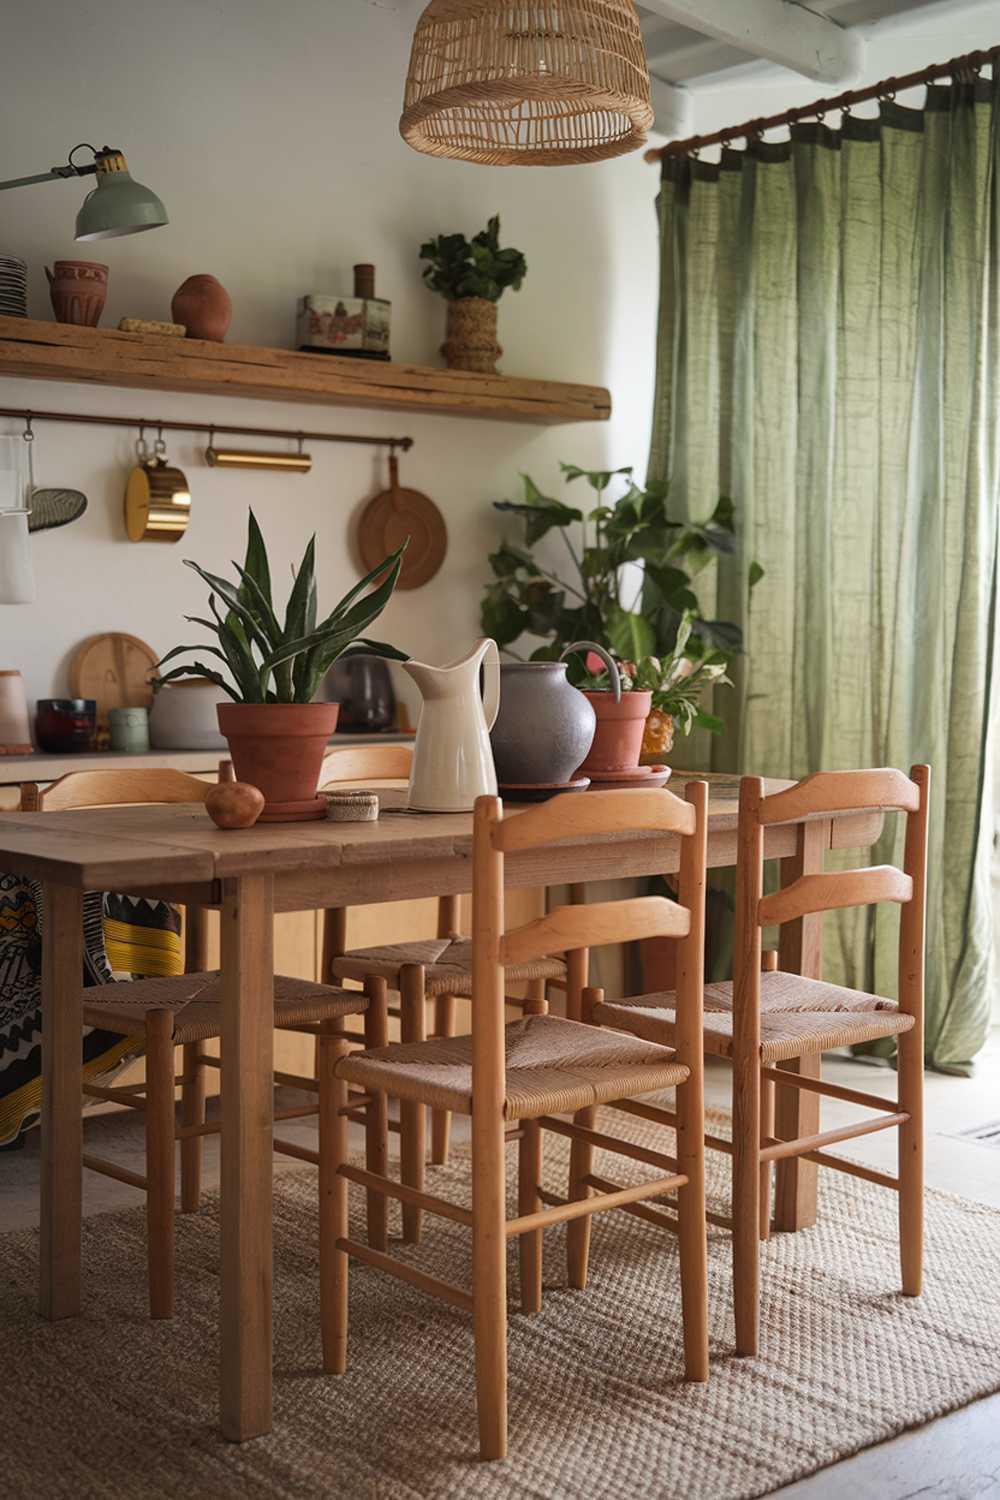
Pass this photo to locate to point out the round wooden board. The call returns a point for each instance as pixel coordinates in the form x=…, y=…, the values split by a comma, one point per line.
x=114, y=669
x=393, y=516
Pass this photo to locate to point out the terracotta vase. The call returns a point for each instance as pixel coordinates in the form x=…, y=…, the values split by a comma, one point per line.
x=618, y=736
x=202, y=304
x=79, y=290
x=279, y=748
x=470, y=341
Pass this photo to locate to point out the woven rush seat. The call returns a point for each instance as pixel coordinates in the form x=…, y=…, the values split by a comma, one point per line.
x=793, y=992
x=447, y=964
x=783, y=1033
x=195, y=1000
x=552, y=1066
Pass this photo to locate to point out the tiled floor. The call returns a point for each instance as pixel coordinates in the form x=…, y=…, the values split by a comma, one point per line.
x=956, y=1458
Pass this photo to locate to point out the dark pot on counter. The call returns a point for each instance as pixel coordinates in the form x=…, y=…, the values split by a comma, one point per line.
x=544, y=728
x=362, y=685
x=65, y=725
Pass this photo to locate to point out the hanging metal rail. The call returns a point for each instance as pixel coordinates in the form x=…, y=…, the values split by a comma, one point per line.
x=31, y=414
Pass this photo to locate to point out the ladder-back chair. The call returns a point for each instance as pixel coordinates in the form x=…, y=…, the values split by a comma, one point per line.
x=434, y=969
x=185, y=1010
x=516, y=1080
x=763, y=1019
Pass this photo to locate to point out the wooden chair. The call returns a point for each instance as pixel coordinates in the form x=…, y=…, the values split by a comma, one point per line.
x=517, y=1080
x=763, y=1019
x=184, y=1010
x=430, y=969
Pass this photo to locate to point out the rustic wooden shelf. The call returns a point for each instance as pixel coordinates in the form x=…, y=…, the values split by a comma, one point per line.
x=104, y=356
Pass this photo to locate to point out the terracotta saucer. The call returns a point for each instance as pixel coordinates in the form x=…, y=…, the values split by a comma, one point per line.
x=294, y=812
x=647, y=776
x=541, y=791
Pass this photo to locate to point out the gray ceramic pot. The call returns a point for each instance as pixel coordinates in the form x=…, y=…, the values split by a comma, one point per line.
x=544, y=728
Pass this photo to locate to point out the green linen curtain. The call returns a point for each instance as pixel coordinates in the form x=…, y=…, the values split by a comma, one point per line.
x=829, y=357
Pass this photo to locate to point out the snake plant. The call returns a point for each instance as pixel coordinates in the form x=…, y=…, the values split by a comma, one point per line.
x=273, y=662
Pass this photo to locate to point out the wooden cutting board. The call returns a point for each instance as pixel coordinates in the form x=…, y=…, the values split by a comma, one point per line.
x=394, y=515
x=115, y=670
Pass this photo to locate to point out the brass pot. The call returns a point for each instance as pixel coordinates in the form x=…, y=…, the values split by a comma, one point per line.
x=157, y=501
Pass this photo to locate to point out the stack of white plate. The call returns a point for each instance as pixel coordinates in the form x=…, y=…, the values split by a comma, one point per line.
x=13, y=287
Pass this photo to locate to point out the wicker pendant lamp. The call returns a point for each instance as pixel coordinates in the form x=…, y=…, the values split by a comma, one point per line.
x=527, y=82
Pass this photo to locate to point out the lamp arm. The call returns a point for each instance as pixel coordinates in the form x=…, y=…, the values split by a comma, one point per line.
x=54, y=172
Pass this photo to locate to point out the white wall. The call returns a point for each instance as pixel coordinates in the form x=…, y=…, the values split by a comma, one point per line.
x=270, y=132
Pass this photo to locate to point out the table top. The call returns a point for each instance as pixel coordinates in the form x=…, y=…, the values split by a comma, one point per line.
x=100, y=848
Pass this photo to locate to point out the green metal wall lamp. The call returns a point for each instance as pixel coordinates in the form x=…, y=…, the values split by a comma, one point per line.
x=116, y=206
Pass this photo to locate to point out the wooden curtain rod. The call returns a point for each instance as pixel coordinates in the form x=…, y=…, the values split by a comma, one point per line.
x=971, y=63
x=31, y=414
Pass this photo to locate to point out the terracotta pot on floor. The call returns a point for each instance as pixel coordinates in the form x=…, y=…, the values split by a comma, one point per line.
x=279, y=748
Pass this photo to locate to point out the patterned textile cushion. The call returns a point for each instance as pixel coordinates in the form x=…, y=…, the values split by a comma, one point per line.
x=125, y=937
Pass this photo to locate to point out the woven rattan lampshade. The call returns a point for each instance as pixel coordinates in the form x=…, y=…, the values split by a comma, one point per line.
x=537, y=83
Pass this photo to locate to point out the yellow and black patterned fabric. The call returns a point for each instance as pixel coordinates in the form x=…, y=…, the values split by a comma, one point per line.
x=124, y=937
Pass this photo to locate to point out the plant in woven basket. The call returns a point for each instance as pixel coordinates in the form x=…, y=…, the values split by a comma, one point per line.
x=472, y=276
x=273, y=669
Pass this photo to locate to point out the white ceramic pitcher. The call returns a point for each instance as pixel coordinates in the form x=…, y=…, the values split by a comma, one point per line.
x=452, y=758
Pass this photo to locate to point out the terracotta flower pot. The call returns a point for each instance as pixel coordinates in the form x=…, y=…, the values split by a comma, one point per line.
x=279, y=748
x=618, y=736
x=470, y=340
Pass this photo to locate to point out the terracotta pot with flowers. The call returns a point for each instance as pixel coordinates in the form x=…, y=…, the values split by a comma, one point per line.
x=277, y=735
x=472, y=277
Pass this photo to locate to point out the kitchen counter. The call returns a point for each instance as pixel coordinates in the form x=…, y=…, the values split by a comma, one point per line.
x=38, y=766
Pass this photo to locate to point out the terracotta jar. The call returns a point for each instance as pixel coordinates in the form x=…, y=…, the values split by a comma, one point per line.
x=78, y=290
x=470, y=341
x=202, y=304
x=279, y=748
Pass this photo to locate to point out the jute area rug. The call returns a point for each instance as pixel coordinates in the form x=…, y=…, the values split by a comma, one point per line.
x=114, y=1406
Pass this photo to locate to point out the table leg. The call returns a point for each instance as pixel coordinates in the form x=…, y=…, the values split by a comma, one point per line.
x=62, y=1078
x=247, y=1109
x=796, y=1110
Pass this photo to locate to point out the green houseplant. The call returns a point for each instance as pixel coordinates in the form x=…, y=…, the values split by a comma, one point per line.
x=273, y=669
x=651, y=623
x=472, y=276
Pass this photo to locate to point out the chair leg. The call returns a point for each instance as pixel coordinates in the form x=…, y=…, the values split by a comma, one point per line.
x=529, y=1173
x=412, y=1121
x=160, y=1161
x=581, y=1156
x=377, y=1115
x=766, y=1174
x=334, y=1263
x=192, y=1113
x=910, y=1065
x=692, y=1228
x=489, y=1284
x=535, y=1000
x=745, y=1206
x=444, y=1025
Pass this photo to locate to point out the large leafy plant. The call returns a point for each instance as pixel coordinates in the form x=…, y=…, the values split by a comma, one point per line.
x=270, y=661
x=602, y=600
x=458, y=268
x=649, y=618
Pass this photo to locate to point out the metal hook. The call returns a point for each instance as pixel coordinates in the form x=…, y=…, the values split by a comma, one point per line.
x=159, y=447
x=301, y=440
x=28, y=435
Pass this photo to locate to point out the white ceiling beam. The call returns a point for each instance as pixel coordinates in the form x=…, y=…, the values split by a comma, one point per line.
x=673, y=108
x=779, y=30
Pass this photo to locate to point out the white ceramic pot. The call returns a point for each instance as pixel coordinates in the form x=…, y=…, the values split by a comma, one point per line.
x=183, y=716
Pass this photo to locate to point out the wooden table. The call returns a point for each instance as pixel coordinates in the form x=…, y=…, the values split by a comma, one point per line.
x=176, y=852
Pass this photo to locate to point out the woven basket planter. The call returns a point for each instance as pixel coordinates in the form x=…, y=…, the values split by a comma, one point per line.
x=471, y=336
x=537, y=83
